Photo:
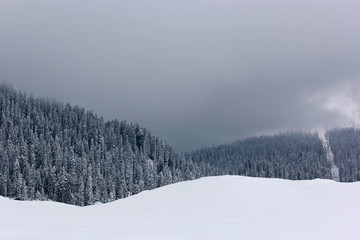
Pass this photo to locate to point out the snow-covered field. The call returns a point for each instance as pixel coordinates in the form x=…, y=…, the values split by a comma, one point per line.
x=229, y=207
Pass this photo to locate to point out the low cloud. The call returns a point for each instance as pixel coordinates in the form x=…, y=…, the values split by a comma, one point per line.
x=343, y=100
x=195, y=72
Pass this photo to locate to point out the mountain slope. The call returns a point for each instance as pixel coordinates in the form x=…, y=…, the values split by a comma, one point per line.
x=289, y=155
x=228, y=207
x=51, y=150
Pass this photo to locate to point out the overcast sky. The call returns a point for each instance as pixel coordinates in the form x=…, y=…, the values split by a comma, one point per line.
x=194, y=72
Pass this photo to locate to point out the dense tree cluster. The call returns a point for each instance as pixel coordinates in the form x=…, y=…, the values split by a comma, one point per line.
x=49, y=150
x=345, y=145
x=290, y=155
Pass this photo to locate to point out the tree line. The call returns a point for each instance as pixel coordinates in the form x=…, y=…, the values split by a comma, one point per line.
x=288, y=155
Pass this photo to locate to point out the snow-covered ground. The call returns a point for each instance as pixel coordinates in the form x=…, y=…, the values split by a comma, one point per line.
x=228, y=207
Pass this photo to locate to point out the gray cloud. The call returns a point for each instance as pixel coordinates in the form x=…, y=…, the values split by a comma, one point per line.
x=197, y=72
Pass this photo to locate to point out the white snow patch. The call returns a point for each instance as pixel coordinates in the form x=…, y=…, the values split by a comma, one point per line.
x=329, y=156
x=228, y=207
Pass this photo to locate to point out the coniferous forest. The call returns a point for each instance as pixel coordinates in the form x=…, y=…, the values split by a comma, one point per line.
x=54, y=151
x=51, y=150
x=290, y=155
x=345, y=145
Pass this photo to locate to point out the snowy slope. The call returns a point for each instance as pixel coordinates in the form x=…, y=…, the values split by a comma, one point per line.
x=329, y=156
x=229, y=207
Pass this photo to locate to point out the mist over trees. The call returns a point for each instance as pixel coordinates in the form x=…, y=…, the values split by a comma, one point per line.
x=51, y=150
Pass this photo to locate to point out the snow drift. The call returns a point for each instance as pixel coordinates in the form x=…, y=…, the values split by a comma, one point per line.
x=228, y=207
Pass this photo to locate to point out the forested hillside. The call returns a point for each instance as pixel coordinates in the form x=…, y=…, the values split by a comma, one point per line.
x=291, y=155
x=345, y=145
x=51, y=150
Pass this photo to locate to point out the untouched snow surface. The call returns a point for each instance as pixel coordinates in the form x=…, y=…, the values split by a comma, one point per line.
x=228, y=207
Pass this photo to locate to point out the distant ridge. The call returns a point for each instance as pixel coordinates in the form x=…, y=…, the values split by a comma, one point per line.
x=289, y=155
